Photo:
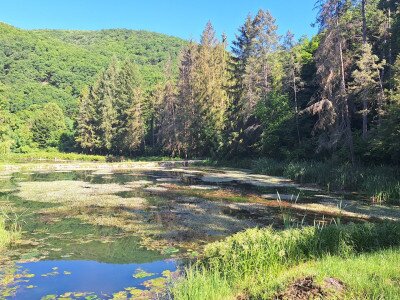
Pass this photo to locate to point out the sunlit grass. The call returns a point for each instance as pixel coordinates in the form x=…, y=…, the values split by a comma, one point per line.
x=9, y=234
x=249, y=262
x=366, y=276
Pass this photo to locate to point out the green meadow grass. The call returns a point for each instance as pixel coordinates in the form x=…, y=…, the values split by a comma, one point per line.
x=250, y=262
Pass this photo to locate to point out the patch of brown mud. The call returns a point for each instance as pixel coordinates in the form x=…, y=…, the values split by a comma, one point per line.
x=306, y=289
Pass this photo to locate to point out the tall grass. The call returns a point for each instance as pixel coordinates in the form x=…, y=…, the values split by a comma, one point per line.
x=250, y=260
x=8, y=235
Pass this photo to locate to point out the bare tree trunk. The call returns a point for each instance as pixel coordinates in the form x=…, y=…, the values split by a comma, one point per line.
x=381, y=99
x=365, y=101
x=364, y=18
x=389, y=33
x=346, y=112
x=295, y=105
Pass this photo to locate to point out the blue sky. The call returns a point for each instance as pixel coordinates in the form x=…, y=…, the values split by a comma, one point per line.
x=182, y=18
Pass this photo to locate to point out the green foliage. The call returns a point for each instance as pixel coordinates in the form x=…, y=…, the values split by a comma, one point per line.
x=48, y=125
x=53, y=66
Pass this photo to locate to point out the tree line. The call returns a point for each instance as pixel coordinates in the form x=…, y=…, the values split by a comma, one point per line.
x=334, y=95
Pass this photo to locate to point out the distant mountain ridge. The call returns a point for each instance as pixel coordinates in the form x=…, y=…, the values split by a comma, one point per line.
x=41, y=66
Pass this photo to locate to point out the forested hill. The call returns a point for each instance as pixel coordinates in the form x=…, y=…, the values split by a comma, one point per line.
x=42, y=66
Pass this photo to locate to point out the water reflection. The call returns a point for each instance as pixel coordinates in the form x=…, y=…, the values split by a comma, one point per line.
x=85, y=278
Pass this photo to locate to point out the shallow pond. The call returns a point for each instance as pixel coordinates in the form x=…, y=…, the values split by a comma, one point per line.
x=104, y=233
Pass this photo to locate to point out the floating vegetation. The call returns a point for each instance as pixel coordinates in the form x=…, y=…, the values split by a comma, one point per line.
x=142, y=274
x=138, y=219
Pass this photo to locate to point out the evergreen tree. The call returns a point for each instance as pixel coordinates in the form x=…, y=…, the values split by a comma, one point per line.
x=210, y=87
x=367, y=83
x=135, y=130
x=88, y=122
x=106, y=93
x=333, y=109
x=128, y=106
x=255, y=75
x=169, y=124
x=188, y=111
x=293, y=79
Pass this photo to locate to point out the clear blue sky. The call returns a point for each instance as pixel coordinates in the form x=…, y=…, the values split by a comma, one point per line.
x=182, y=18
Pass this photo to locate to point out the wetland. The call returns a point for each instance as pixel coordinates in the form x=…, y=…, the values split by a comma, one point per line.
x=118, y=231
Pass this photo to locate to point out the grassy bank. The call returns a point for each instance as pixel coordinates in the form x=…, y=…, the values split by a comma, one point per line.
x=381, y=183
x=40, y=156
x=260, y=263
x=49, y=156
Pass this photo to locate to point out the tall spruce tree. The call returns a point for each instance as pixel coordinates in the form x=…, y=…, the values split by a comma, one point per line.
x=168, y=121
x=254, y=78
x=188, y=109
x=293, y=74
x=88, y=122
x=128, y=106
x=333, y=109
x=210, y=87
x=106, y=93
x=367, y=84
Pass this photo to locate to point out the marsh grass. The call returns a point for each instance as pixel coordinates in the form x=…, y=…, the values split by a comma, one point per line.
x=380, y=183
x=9, y=232
x=53, y=155
x=41, y=156
x=249, y=261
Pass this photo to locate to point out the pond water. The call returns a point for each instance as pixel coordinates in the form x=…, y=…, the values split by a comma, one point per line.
x=106, y=233
x=85, y=279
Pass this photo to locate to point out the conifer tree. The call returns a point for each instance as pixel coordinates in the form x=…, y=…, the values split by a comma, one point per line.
x=293, y=76
x=169, y=124
x=188, y=111
x=255, y=74
x=128, y=106
x=135, y=130
x=106, y=93
x=333, y=108
x=367, y=83
x=87, y=120
x=210, y=87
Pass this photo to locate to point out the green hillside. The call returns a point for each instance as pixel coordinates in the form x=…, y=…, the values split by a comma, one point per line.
x=41, y=66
